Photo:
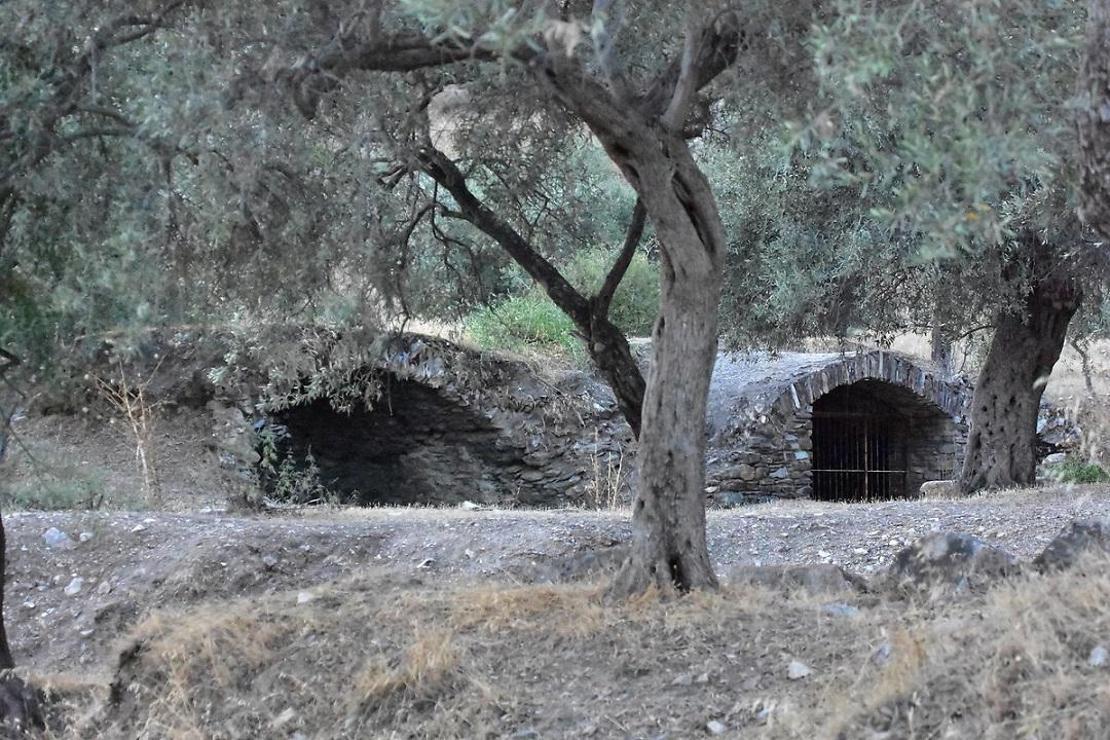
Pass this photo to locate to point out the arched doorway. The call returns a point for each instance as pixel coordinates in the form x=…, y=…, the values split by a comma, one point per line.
x=874, y=440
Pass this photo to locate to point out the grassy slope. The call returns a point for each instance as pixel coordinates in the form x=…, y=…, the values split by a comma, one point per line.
x=380, y=655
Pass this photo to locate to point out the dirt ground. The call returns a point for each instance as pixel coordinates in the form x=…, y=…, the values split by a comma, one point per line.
x=468, y=578
x=173, y=618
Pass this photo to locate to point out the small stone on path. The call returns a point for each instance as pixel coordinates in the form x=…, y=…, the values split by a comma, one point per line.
x=74, y=586
x=55, y=537
x=1098, y=656
x=716, y=727
x=797, y=669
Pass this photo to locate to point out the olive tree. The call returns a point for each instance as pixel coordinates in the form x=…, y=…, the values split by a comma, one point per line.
x=932, y=181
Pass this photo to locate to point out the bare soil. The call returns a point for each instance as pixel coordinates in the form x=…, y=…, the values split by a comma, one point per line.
x=437, y=623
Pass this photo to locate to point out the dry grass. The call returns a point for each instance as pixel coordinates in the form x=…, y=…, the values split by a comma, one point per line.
x=569, y=610
x=383, y=656
x=425, y=666
x=1013, y=665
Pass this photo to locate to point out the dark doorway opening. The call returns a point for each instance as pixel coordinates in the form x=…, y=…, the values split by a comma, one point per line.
x=413, y=447
x=862, y=437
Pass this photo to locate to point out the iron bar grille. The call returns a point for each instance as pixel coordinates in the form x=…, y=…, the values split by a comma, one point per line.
x=858, y=456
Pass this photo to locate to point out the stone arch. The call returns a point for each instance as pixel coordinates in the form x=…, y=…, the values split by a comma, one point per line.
x=415, y=445
x=873, y=439
x=452, y=425
x=762, y=419
x=950, y=397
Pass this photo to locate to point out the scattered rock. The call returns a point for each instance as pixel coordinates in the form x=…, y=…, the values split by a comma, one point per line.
x=84, y=537
x=56, y=538
x=882, y=654
x=287, y=716
x=1075, y=540
x=1055, y=458
x=304, y=597
x=1098, y=656
x=138, y=528
x=940, y=489
x=839, y=609
x=817, y=578
x=716, y=727
x=797, y=670
x=74, y=586
x=949, y=559
x=269, y=561
x=104, y=588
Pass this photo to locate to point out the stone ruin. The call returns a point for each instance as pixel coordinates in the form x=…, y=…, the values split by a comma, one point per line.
x=454, y=425
x=447, y=424
x=831, y=426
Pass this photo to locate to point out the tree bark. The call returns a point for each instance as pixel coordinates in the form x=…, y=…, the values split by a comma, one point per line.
x=940, y=351
x=669, y=549
x=7, y=411
x=1001, y=448
x=20, y=704
x=1093, y=120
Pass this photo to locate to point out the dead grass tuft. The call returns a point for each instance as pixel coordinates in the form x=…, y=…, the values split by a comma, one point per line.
x=572, y=610
x=1014, y=665
x=425, y=666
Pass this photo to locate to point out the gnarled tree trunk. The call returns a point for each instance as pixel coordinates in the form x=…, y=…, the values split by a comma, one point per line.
x=611, y=353
x=605, y=343
x=669, y=549
x=940, y=351
x=1001, y=448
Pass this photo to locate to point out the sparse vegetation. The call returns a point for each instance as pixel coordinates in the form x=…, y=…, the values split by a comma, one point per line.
x=1074, y=470
x=57, y=485
x=530, y=321
x=484, y=659
x=551, y=179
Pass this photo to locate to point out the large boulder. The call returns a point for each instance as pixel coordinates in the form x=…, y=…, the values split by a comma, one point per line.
x=949, y=560
x=1079, y=538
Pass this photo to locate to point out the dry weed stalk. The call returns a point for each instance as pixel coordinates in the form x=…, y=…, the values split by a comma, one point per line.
x=130, y=401
x=603, y=491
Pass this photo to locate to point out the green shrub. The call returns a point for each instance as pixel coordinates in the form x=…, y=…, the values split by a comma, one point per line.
x=531, y=320
x=520, y=322
x=1074, y=470
x=636, y=303
x=57, y=487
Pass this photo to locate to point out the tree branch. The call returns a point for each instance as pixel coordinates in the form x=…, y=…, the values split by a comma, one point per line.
x=604, y=297
x=706, y=54
x=445, y=172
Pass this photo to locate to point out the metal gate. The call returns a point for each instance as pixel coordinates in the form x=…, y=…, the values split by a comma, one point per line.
x=858, y=456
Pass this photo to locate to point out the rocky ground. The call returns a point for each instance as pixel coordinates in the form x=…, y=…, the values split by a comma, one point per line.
x=328, y=623
x=76, y=581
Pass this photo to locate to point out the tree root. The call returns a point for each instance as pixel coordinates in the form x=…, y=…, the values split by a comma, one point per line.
x=21, y=706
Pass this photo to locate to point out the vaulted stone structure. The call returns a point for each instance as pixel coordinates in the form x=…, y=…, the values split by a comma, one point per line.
x=858, y=426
